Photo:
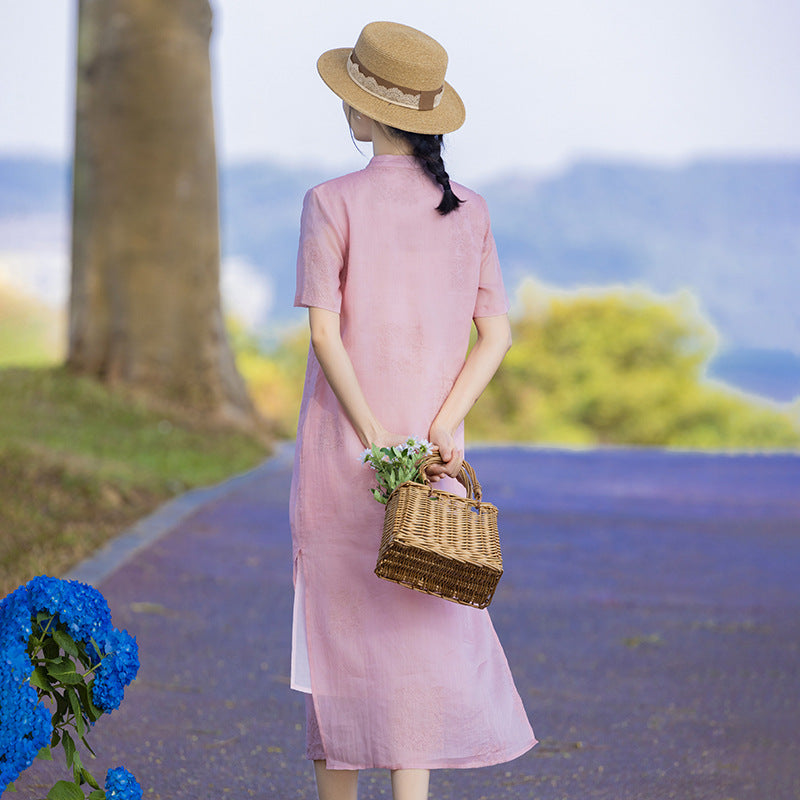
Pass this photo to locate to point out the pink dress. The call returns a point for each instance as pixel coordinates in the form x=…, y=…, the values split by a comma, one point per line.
x=399, y=679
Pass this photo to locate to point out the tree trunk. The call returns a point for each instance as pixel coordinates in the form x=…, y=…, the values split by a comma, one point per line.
x=145, y=305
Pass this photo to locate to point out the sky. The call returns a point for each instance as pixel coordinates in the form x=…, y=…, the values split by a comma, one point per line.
x=544, y=83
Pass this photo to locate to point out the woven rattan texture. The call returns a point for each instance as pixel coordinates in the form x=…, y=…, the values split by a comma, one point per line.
x=442, y=544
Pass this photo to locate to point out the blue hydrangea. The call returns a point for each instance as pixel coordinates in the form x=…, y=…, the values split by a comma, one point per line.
x=121, y=785
x=15, y=630
x=81, y=607
x=25, y=726
x=117, y=670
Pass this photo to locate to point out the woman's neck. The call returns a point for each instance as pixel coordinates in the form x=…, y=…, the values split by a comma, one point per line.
x=385, y=145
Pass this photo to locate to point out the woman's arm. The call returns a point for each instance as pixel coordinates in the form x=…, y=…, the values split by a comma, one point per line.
x=494, y=340
x=326, y=340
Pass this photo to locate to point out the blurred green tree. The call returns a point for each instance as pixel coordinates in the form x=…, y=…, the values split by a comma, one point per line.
x=145, y=299
x=618, y=367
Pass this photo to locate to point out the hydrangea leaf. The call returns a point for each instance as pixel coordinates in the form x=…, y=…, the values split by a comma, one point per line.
x=89, y=778
x=58, y=664
x=88, y=746
x=75, y=704
x=50, y=649
x=77, y=768
x=65, y=672
x=69, y=748
x=70, y=678
x=45, y=754
x=40, y=680
x=62, y=706
x=89, y=708
x=65, y=642
x=63, y=790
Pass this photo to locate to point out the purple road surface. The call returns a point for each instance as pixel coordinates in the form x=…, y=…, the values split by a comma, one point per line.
x=650, y=611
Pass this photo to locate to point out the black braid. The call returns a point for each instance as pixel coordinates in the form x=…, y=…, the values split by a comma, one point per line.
x=427, y=149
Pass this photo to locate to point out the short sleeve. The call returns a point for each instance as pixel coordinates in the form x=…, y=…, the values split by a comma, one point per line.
x=491, y=300
x=320, y=256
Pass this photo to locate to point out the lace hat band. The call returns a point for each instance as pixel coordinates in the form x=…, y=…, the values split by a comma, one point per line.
x=399, y=95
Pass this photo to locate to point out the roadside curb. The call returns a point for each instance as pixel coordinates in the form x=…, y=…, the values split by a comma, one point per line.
x=95, y=569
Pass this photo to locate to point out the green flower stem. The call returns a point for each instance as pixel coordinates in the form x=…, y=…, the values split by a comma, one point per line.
x=44, y=631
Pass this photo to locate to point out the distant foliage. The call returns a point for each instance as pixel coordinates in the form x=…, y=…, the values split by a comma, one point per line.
x=31, y=333
x=621, y=367
x=274, y=375
x=618, y=367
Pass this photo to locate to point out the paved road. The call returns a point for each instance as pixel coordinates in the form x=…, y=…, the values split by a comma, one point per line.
x=649, y=612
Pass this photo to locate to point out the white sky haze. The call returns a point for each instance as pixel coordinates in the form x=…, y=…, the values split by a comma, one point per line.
x=544, y=83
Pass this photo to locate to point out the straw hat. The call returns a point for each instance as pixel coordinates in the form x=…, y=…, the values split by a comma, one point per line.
x=395, y=75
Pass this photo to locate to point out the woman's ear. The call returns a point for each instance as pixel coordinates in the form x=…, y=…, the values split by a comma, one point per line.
x=360, y=124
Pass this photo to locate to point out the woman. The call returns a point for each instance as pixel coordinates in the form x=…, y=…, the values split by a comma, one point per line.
x=394, y=265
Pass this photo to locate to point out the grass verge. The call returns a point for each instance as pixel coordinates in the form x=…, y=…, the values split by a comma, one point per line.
x=79, y=463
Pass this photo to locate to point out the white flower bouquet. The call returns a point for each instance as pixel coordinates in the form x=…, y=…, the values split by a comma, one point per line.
x=395, y=465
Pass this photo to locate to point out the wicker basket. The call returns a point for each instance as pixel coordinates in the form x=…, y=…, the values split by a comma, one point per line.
x=440, y=543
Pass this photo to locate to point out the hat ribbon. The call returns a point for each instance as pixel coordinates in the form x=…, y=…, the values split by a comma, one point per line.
x=397, y=95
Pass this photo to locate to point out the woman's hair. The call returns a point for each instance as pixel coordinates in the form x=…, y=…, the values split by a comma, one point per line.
x=427, y=148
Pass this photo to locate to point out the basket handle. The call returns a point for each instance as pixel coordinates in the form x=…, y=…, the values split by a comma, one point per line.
x=466, y=477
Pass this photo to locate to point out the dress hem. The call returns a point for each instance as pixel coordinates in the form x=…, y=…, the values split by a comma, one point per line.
x=475, y=764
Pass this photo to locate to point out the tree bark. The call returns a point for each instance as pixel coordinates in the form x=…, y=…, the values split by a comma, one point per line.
x=145, y=306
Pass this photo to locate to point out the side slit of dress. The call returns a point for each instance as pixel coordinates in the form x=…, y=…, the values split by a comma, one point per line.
x=300, y=665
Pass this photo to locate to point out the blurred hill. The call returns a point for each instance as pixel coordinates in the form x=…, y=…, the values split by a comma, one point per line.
x=32, y=186
x=726, y=230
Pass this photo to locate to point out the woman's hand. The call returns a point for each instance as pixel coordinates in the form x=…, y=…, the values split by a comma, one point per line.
x=494, y=339
x=452, y=455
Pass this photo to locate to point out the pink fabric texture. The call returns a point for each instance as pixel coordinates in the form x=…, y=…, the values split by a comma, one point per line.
x=399, y=679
